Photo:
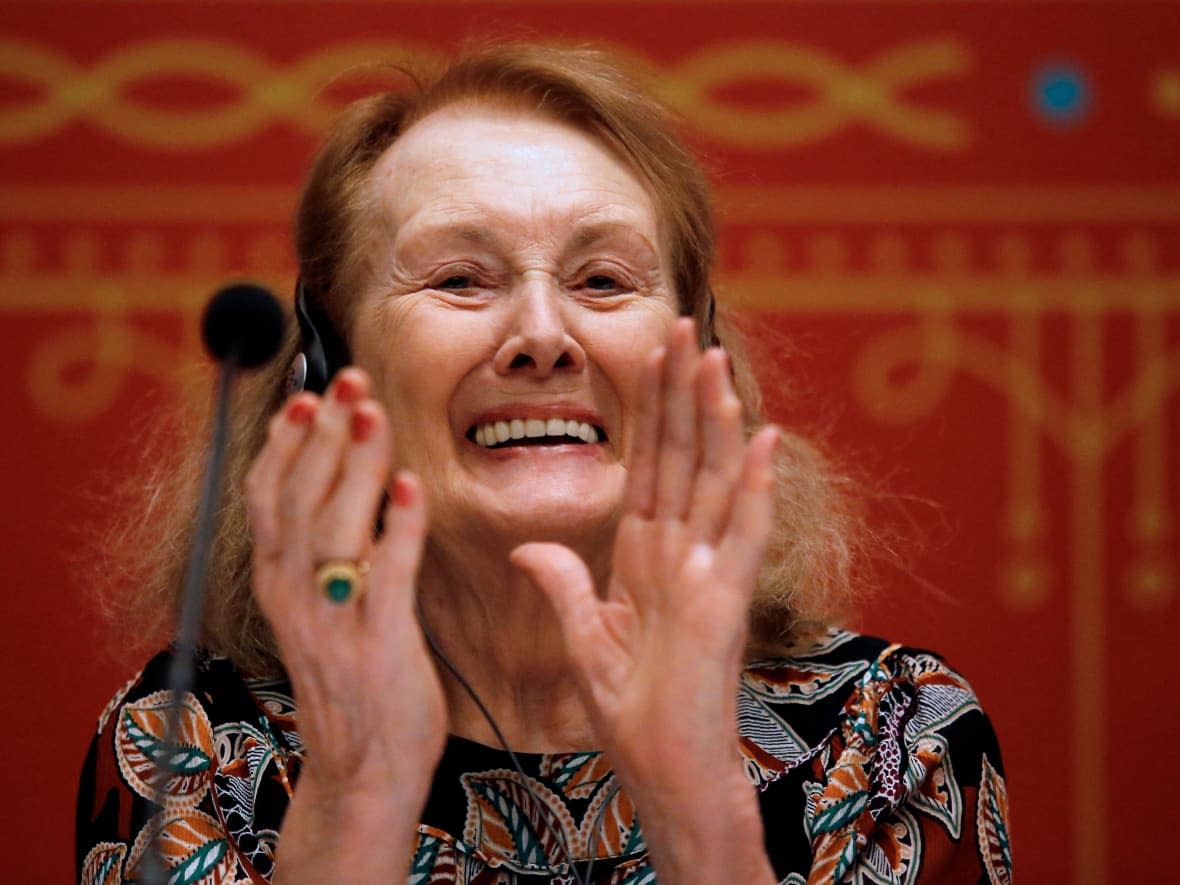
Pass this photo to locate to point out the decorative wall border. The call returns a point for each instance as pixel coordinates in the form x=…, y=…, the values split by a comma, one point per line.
x=873, y=94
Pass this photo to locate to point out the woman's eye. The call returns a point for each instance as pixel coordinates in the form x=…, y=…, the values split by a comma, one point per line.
x=601, y=282
x=458, y=281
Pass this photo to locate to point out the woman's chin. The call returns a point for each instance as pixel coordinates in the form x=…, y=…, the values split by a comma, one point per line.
x=550, y=506
x=551, y=497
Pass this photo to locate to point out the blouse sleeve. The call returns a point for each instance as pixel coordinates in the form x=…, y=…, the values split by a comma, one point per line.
x=911, y=788
x=208, y=808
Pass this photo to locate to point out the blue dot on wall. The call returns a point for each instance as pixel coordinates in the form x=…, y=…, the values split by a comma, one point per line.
x=1061, y=94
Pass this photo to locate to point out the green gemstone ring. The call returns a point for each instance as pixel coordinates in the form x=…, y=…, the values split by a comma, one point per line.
x=342, y=579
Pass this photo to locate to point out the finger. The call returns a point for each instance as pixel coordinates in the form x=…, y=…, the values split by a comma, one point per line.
x=645, y=438
x=747, y=531
x=344, y=525
x=562, y=576
x=679, y=448
x=285, y=436
x=316, y=467
x=716, y=481
x=398, y=554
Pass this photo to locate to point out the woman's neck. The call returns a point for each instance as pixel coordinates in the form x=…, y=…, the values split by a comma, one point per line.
x=500, y=633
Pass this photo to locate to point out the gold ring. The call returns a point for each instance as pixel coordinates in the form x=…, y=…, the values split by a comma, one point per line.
x=342, y=579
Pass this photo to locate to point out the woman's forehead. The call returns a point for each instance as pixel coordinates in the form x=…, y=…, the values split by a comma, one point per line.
x=471, y=162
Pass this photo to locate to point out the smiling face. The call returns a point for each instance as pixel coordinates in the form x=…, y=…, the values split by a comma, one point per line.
x=517, y=286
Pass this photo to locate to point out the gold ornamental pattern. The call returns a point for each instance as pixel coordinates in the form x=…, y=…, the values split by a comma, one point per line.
x=265, y=93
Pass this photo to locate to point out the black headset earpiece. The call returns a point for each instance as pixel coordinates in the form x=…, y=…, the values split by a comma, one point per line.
x=324, y=350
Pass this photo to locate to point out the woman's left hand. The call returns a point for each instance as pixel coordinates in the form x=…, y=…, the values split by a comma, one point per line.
x=658, y=655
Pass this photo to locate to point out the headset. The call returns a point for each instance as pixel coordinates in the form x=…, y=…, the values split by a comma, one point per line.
x=324, y=351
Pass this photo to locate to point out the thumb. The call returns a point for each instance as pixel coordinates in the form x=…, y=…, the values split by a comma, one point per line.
x=565, y=580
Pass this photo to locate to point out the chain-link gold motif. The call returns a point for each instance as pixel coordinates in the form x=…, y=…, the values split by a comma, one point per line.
x=264, y=92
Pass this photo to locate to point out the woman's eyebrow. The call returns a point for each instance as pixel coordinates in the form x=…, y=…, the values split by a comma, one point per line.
x=586, y=235
x=476, y=235
x=593, y=233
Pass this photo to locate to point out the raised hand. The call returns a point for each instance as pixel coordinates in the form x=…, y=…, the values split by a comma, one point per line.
x=371, y=709
x=658, y=653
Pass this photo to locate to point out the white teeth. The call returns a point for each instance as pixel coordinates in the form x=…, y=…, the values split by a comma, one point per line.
x=496, y=432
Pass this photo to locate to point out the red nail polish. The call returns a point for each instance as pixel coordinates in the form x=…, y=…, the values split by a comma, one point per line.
x=346, y=391
x=362, y=426
x=301, y=412
x=403, y=491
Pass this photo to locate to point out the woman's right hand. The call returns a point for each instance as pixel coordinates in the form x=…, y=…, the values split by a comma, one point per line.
x=371, y=711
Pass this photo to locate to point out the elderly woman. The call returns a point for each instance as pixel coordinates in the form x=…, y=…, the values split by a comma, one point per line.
x=517, y=589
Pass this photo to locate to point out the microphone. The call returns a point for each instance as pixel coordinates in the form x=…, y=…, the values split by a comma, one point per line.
x=243, y=324
x=242, y=327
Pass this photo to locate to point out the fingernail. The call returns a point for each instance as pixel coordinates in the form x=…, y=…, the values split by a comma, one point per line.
x=362, y=425
x=345, y=390
x=300, y=412
x=403, y=491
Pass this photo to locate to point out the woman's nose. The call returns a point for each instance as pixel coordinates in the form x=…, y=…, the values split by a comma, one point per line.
x=538, y=341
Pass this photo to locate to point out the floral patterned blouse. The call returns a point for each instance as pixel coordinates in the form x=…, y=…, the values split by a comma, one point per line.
x=872, y=763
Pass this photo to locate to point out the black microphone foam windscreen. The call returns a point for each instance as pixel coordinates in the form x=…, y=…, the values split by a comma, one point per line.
x=243, y=323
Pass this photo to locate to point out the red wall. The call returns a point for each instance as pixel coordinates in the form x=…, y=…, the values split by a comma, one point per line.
x=973, y=264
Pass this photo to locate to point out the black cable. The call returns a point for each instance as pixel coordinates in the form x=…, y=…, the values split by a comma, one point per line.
x=524, y=778
x=594, y=830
